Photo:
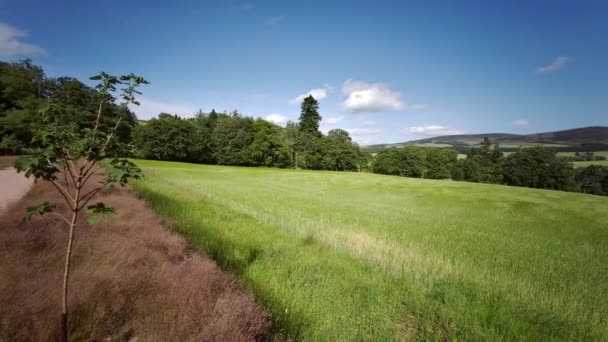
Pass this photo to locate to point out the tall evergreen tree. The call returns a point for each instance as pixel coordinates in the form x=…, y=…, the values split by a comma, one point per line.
x=310, y=117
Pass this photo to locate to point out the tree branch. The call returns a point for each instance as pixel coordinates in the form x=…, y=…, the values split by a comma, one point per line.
x=65, y=177
x=72, y=167
x=61, y=217
x=87, y=176
x=111, y=135
x=90, y=195
x=61, y=189
x=98, y=120
x=84, y=176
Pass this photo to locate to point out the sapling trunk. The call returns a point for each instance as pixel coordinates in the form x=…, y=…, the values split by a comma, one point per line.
x=66, y=152
x=66, y=271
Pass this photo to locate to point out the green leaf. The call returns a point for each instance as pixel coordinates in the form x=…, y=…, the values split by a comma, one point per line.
x=98, y=210
x=121, y=171
x=93, y=220
x=41, y=209
x=37, y=165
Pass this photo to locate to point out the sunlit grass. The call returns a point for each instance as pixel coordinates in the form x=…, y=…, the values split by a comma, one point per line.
x=578, y=164
x=354, y=256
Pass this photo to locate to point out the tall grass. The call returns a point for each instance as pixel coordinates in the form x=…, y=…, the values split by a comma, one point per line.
x=369, y=257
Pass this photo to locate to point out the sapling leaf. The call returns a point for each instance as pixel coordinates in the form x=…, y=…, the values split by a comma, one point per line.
x=41, y=209
x=99, y=209
x=93, y=220
x=122, y=170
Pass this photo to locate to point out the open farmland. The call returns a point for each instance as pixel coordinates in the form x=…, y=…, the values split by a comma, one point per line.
x=362, y=256
x=579, y=164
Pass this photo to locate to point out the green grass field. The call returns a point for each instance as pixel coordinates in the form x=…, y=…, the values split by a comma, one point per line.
x=597, y=153
x=351, y=256
x=578, y=164
x=530, y=145
x=434, y=145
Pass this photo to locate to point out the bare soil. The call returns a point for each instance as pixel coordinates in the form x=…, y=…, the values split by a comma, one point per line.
x=131, y=279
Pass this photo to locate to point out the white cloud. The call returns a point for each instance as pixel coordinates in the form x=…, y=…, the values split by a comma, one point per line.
x=432, y=130
x=559, y=63
x=368, y=123
x=318, y=93
x=149, y=109
x=276, y=118
x=373, y=97
x=275, y=20
x=332, y=120
x=11, y=44
x=520, y=122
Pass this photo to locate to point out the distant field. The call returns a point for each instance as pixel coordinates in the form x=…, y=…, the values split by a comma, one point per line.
x=351, y=256
x=587, y=163
x=598, y=153
x=529, y=144
x=562, y=154
x=433, y=145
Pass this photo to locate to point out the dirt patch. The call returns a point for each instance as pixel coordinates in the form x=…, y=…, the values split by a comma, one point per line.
x=13, y=186
x=7, y=161
x=131, y=278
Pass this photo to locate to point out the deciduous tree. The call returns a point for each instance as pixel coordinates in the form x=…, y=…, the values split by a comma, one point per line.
x=67, y=156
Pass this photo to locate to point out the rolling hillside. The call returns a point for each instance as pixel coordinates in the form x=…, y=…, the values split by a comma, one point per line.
x=595, y=135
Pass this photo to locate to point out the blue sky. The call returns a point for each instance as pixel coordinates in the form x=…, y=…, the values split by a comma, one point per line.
x=387, y=71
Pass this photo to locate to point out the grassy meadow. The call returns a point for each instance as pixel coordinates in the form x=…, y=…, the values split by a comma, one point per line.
x=352, y=256
x=578, y=164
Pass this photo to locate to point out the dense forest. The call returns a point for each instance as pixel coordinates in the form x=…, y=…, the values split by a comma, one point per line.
x=231, y=138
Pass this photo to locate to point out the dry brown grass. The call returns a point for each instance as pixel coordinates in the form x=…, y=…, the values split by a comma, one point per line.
x=130, y=278
x=7, y=161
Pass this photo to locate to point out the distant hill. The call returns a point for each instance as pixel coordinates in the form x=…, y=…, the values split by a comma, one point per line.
x=595, y=135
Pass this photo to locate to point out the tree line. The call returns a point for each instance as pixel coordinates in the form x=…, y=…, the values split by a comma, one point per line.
x=227, y=138
x=231, y=138
x=534, y=167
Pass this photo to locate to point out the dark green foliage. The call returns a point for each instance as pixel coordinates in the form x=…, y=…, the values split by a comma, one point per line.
x=409, y=161
x=170, y=138
x=538, y=167
x=41, y=209
x=70, y=110
x=231, y=139
x=268, y=147
x=11, y=145
x=341, y=154
x=439, y=163
x=310, y=117
x=489, y=159
x=311, y=151
x=97, y=210
x=592, y=179
x=25, y=91
x=414, y=161
x=311, y=147
x=290, y=135
x=121, y=170
x=466, y=170
x=584, y=156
